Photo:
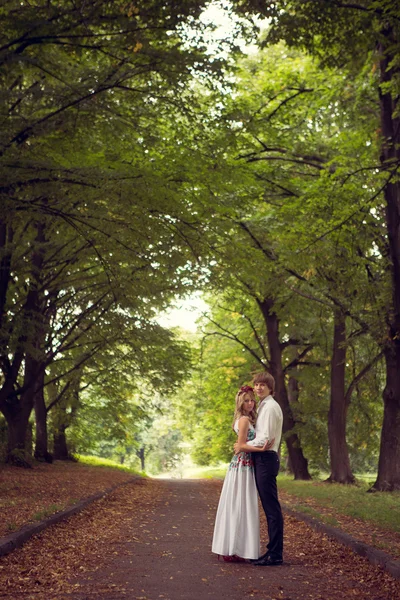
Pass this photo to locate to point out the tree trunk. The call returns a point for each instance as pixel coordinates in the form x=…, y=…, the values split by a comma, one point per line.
x=293, y=390
x=6, y=239
x=64, y=405
x=141, y=454
x=17, y=424
x=41, y=449
x=389, y=458
x=60, y=450
x=41, y=444
x=17, y=405
x=17, y=413
x=337, y=416
x=298, y=462
x=293, y=396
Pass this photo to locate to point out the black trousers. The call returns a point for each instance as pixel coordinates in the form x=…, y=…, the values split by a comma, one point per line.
x=266, y=466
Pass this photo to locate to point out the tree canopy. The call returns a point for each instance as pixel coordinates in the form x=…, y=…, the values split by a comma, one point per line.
x=141, y=162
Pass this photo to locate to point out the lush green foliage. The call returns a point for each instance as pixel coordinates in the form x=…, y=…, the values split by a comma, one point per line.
x=99, y=156
x=309, y=242
x=348, y=36
x=137, y=168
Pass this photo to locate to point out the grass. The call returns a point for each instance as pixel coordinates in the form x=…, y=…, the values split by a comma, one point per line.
x=96, y=461
x=308, y=510
x=381, y=508
x=46, y=512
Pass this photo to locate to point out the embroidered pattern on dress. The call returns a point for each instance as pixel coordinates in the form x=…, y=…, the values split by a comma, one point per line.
x=243, y=459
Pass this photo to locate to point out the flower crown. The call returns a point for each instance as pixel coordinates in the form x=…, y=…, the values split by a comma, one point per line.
x=246, y=388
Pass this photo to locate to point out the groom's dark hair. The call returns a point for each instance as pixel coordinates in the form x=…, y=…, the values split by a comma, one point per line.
x=266, y=378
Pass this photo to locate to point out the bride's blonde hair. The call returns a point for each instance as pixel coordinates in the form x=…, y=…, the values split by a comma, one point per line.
x=245, y=391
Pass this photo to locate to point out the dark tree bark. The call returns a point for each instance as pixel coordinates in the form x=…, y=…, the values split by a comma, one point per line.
x=60, y=447
x=68, y=398
x=16, y=408
x=10, y=365
x=17, y=413
x=298, y=462
x=388, y=478
x=15, y=404
x=389, y=459
x=293, y=390
x=339, y=404
x=141, y=454
x=17, y=418
x=6, y=238
x=389, y=462
x=293, y=395
x=41, y=443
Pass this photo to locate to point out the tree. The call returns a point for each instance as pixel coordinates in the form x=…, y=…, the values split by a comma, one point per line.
x=95, y=97
x=346, y=34
x=300, y=161
x=113, y=401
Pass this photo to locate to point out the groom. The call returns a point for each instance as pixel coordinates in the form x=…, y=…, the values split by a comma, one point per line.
x=266, y=465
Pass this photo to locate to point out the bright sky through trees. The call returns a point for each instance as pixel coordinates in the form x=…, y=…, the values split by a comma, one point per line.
x=184, y=314
x=225, y=24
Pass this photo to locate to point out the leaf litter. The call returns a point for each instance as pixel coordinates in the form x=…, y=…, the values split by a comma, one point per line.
x=63, y=561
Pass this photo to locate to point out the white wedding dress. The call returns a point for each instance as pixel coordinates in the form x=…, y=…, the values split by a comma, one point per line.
x=237, y=524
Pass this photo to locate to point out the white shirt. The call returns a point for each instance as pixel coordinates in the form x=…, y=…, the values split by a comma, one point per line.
x=269, y=423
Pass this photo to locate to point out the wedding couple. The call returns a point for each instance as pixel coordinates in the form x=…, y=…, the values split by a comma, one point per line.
x=253, y=468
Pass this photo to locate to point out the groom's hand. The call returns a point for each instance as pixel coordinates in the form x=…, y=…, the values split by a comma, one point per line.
x=268, y=444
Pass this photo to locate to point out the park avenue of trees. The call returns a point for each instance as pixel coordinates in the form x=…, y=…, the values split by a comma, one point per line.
x=142, y=160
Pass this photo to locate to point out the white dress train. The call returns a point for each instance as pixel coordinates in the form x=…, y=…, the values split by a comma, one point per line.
x=237, y=524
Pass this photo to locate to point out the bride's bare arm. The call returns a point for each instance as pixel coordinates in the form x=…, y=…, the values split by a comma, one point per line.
x=244, y=424
x=238, y=447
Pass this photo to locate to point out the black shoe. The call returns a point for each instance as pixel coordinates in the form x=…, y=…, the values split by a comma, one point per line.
x=268, y=561
x=261, y=557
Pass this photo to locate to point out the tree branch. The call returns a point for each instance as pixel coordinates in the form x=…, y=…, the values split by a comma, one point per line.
x=231, y=336
x=360, y=375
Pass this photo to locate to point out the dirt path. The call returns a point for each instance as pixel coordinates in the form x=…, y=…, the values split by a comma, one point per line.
x=175, y=561
x=152, y=541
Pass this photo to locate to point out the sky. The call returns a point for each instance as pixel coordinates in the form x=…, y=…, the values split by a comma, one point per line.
x=225, y=26
x=184, y=314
